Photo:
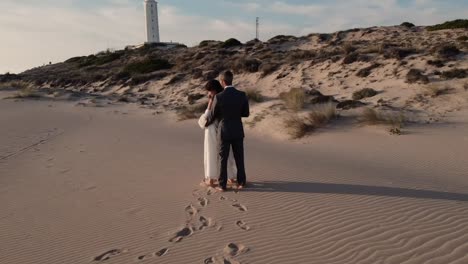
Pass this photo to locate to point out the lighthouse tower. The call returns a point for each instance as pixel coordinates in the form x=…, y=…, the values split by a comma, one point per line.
x=152, y=23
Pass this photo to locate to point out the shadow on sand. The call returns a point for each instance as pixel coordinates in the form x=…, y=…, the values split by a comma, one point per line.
x=333, y=188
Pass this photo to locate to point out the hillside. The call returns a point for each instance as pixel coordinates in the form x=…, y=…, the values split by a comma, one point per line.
x=391, y=75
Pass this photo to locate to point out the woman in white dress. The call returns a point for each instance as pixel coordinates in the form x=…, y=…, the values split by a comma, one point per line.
x=211, y=156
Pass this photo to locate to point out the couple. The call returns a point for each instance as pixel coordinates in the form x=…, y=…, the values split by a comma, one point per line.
x=224, y=133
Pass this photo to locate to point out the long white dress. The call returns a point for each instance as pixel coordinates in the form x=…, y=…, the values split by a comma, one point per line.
x=211, y=157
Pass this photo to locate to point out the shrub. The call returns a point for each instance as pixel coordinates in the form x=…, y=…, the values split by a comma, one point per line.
x=398, y=53
x=448, y=51
x=367, y=71
x=232, y=42
x=281, y=39
x=415, y=75
x=296, y=126
x=462, y=38
x=458, y=23
x=407, y=24
x=348, y=48
x=301, y=55
x=254, y=95
x=434, y=90
x=436, y=63
x=148, y=65
x=373, y=117
x=294, y=99
x=15, y=85
x=191, y=111
x=455, y=73
x=26, y=92
x=364, y=93
x=205, y=43
x=247, y=65
x=322, y=114
x=268, y=68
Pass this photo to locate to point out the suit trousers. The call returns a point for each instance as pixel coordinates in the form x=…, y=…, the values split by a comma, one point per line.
x=238, y=152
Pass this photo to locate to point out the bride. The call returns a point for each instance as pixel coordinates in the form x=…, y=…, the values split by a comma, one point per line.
x=211, y=157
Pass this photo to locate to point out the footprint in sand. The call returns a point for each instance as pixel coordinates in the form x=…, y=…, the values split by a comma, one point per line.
x=233, y=249
x=203, y=223
x=160, y=253
x=181, y=234
x=220, y=260
x=242, y=225
x=240, y=207
x=109, y=254
x=202, y=201
x=222, y=198
x=191, y=210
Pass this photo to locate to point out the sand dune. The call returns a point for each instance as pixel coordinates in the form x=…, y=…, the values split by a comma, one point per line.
x=120, y=185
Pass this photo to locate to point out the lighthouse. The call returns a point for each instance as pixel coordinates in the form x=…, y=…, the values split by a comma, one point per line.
x=152, y=23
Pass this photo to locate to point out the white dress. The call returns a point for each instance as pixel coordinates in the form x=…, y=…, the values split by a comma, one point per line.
x=211, y=157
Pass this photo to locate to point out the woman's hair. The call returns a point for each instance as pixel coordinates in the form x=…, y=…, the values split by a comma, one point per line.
x=214, y=85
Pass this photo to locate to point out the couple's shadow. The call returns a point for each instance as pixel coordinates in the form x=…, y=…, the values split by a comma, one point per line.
x=334, y=188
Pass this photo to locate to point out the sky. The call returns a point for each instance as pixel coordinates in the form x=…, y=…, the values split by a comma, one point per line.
x=36, y=32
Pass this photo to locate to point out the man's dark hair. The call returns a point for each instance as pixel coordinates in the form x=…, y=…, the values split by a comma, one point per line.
x=214, y=85
x=227, y=77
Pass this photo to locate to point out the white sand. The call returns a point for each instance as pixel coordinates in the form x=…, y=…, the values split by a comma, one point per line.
x=78, y=182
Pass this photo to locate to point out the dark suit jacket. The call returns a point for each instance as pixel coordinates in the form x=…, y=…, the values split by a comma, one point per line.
x=229, y=107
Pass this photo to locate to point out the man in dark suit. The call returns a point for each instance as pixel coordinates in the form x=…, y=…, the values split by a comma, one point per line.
x=229, y=107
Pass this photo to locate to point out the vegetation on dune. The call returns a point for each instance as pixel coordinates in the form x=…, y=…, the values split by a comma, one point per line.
x=407, y=24
x=415, y=75
x=147, y=65
x=191, y=111
x=458, y=23
x=364, y=93
x=254, y=95
x=299, y=126
x=232, y=42
x=294, y=99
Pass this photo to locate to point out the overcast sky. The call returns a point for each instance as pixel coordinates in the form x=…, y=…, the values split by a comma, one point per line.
x=34, y=32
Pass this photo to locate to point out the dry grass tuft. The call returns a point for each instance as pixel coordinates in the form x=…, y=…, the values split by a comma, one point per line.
x=26, y=92
x=294, y=99
x=15, y=85
x=374, y=117
x=435, y=90
x=192, y=111
x=254, y=95
x=298, y=127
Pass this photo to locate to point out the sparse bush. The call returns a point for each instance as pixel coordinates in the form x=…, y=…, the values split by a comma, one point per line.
x=349, y=48
x=301, y=55
x=458, y=23
x=373, y=117
x=26, y=92
x=15, y=85
x=148, y=65
x=349, y=104
x=191, y=111
x=407, y=24
x=462, y=38
x=268, y=68
x=177, y=78
x=322, y=114
x=435, y=90
x=364, y=93
x=294, y=99
x=232, y=42
x=254, y=95
x=367, y=70
x=206, y=43
x=415, y=75
x=455, y=73
x=297, y=127
x=281, y=39
x=247, y=65
x=436, y=63
x=398, y=53
x=447, y=51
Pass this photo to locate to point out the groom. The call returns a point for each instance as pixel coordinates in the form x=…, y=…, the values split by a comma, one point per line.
x=229, y=107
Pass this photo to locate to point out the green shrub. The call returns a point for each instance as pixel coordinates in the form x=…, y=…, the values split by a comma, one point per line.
x=364, y=93
x=148, y=65
x=232, y=42
x=407, y=24
x=458, y=23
